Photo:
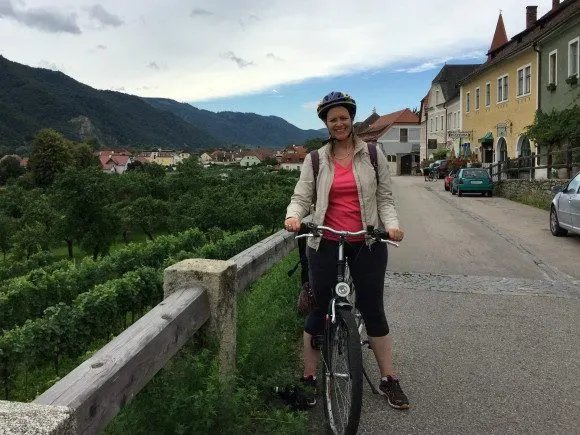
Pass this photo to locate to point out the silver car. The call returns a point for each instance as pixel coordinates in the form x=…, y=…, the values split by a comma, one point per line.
x=565, y=209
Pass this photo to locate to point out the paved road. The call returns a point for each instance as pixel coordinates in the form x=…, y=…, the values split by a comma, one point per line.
x=484, y=304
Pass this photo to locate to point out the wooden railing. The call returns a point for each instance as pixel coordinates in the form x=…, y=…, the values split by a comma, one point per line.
x=197, y=292
x=563, y=164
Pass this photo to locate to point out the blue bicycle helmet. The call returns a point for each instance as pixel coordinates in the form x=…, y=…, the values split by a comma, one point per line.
x=336, y=99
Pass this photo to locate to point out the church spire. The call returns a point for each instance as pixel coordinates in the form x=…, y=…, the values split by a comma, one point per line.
x=499, y=37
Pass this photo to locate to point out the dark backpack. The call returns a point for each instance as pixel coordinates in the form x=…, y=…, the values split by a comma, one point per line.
x=314, y=156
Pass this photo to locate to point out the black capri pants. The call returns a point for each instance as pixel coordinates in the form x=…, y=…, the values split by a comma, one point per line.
x=367, y=268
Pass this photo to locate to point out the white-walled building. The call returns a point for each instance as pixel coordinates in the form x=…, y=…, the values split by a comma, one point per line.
x=398, y=135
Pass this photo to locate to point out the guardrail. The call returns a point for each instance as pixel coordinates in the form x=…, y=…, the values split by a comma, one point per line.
x=561, y=164
x=197, y=292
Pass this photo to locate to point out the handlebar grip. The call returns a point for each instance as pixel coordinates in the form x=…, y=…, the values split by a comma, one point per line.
x=377, y=232
x=306, y=227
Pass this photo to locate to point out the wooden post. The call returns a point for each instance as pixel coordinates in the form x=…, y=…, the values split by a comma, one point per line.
x=218, y=278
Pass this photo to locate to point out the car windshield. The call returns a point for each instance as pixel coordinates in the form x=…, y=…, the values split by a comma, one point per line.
x=475, y=173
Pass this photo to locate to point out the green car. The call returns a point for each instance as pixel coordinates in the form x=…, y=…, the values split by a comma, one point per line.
x=472, y=180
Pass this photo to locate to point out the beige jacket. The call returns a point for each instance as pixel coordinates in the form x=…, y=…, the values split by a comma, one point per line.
x=376, y=201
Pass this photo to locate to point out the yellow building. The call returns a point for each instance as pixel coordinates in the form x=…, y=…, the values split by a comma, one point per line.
x=500, y=98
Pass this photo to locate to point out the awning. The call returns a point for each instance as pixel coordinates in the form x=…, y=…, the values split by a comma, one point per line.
x=486, y=139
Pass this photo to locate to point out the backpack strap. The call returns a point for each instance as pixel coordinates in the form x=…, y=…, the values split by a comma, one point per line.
x=374, y=161
x=315, y=157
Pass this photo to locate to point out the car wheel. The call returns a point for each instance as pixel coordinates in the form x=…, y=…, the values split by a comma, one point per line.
x=459, y=192
x=555, y=227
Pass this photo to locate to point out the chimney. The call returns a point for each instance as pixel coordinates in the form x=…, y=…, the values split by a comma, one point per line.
x=555, y=4
x=531, y=15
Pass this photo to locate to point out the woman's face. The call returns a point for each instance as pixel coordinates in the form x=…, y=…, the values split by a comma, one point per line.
x=338, y=122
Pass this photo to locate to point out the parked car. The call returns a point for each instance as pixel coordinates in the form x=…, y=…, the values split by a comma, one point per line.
x=441, y=169
x=449, y=178
x=565, y=208
x=472, y=180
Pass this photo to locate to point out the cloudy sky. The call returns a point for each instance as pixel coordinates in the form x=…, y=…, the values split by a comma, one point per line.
x=272, y=57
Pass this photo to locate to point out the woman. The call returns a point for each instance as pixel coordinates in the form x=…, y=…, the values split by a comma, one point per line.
x=348, y=198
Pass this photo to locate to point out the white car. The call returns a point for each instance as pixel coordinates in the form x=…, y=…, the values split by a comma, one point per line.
x=565, y=209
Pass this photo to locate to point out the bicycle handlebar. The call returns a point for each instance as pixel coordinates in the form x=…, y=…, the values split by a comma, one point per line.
x=310, y=229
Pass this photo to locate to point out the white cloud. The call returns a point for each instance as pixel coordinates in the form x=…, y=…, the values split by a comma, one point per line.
x=208, y=54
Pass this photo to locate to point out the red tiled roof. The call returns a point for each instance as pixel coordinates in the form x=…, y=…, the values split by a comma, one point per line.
x=292, y=158
x=378, y=127
x=556, y=18
x=120, y=160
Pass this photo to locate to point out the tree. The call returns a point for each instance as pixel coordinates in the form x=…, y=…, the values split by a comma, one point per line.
x=49, y=157
x=10, y=167
x=7, y=227
x=270, y=161
x=82, y=155
x=83, y=198
x=147, y=213
x=314, y=144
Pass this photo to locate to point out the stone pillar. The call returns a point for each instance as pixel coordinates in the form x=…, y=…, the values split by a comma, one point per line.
x=219, y=280
x=27, y=418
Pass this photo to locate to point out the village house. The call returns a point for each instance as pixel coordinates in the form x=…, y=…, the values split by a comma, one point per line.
x=500, y=97
x=397, y=134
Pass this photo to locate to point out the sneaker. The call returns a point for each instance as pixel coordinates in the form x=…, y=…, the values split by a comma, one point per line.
x=395, y=396
x=309, y=390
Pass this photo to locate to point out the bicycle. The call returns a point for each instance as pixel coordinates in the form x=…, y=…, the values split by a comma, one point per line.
x=343, y=371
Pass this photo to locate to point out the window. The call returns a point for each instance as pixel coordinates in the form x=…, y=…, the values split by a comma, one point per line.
x=553, y=67
x=487, y=94
x=502, y=89
x=442, y=125
x=572, y=187
x=391, y=158
x=467, y=102
x=573, y=57
x=436, y=97
x=476, y=98
x=524, y=80
x=404, y=134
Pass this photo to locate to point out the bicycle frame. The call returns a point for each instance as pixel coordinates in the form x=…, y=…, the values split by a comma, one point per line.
x=342, y=344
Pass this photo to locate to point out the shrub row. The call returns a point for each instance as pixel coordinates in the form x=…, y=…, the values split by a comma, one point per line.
x=28, y=296
x=10, y=269
x=67, y=330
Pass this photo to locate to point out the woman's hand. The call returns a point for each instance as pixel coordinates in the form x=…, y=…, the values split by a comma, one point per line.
x=396, y=234
x=292, y=224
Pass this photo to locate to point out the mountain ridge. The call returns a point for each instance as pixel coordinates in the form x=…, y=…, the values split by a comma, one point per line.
x=35, y=98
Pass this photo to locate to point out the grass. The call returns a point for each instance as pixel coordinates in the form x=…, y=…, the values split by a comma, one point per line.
x=533, y=201
x=188, y=396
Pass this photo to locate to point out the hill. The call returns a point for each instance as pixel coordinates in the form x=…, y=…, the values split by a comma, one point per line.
x=35, y=98
x=241, y=128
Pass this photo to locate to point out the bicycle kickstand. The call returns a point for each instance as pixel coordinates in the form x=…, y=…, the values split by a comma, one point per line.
x=373, y=388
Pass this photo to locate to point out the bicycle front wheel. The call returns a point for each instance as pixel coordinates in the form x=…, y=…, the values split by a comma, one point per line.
x=343, y=374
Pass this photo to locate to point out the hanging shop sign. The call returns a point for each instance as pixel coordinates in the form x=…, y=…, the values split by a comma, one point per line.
x=459, y=134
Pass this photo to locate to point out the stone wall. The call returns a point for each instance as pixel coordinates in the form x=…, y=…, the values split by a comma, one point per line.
x=541, y=189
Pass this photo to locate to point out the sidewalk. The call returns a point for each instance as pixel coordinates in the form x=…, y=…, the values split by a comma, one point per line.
x=491, y=358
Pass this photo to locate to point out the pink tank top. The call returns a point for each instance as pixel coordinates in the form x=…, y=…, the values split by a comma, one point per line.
x=343, y=211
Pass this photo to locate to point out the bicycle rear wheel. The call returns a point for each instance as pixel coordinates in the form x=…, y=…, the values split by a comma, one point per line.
x=343, y=374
